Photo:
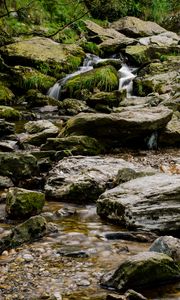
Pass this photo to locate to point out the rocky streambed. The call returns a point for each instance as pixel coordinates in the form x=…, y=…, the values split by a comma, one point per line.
x=90, y=175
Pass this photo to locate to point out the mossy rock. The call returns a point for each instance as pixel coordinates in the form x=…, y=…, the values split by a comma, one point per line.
x=21, y=203
x=29, y=78
x=72, y=107
x=145, y=269
x=104, y=78
x=6, y=95
x=35, y=98
x=9, y=113
x=74, y=145
x=18, y=166
x=111, y=99
x=45, y=55
x=30, y=230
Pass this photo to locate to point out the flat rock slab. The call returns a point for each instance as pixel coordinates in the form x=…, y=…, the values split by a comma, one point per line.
x=147, y=203
x=123, y=127
x=82, y=179
x=145, y=269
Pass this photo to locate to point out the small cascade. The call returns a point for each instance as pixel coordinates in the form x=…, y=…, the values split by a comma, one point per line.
x=89, y=62
x=152, y=141
x=126, y=78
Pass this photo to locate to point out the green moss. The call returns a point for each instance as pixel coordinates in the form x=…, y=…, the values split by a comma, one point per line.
x=9, y=113
x=90, y=47
x=104, y=78
x=6, y=95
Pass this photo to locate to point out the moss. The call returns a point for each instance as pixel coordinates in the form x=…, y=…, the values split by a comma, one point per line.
x=90, y=47
x=23, y=203
x=6, y=95
x=104, y=78
x=9, y=113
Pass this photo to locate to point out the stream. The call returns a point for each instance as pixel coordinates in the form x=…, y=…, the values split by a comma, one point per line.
x=69, y=264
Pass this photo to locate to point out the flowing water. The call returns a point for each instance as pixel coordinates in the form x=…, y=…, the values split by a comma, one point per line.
x=126, y=76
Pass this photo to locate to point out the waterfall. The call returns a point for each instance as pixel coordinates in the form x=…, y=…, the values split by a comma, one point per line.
x=152, y=141
x=89, y=61
x=126, y=78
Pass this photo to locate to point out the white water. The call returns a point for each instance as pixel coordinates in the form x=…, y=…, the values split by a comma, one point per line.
x=126, y=79
x=152, y=141
x=89, y=62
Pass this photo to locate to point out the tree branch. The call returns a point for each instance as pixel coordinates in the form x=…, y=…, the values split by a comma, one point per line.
x=14, y=11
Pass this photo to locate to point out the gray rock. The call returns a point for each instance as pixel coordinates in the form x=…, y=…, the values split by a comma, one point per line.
x=6, y=128
x=126, y=127
x=145, y=269
x=80, y=179
x=167, y=38
x=5, y=182
x=146, y=203
x=167, y=245
x=134, y=27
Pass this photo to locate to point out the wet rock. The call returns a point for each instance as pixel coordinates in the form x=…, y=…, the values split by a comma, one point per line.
x=23, y=203
x=115, y=297
x=145, y=269
x=44, y=54
x=8, y=146
x=113, y=128
x=6, y=128
x=73, y=145
x=115, y=45
x=111, y=99
x=167, y=245
x=73, y=253
x=17, y=166
x=146, y=203
x=34, y=98
x=65, y=212
x=83, y=179
x=134, y=27
x=142, y=237
x=39, y=131
x=32, y=229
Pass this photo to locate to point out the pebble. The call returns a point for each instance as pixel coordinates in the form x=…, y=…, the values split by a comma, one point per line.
x=28, y=257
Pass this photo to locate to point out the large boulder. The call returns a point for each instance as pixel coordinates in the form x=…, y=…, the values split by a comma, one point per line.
x=115, y=45
x=104, y=78
x=134, y=27
x=166, y=38
x=168, y=245
x=146, y=269
x=17, y=166
x=22, y=203
x=44, y=54
x=125, y=127
x=30, y=230
x=83, y=179
x=146, y=203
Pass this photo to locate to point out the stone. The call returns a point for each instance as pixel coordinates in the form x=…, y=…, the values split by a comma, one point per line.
x=45, y=55
x=22, y=203
x=111, y=99
x=39, y=131
x=133, y=295
x=145, y=203
x=17, y=166
x=30, y=230
x=145, y=269
x=9, y=114
x=74, y=145
x=6, y=95
x=140, y=236
x=101, y=33
x=72, y=107
x=113, y=128
x=82, y=179
x=168, y=245
x=170, y=136
x=134, y=27
x=166, y=38
x=115, y=45
x=34, y=98
x=5, y=182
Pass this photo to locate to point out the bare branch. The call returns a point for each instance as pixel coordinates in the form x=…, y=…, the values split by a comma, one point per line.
x=15, y=11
